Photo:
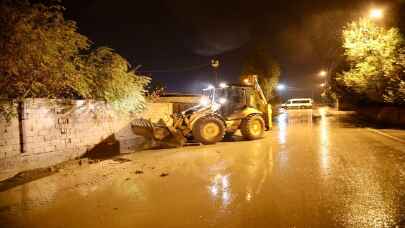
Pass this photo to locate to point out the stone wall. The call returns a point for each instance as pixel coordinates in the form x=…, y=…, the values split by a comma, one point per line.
x=9, y=137
x=54, y=131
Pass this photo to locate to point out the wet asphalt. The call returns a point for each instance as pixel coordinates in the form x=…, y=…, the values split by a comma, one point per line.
x=322, y=172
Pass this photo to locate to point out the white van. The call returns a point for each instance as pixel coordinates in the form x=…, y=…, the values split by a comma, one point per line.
x=298, y=103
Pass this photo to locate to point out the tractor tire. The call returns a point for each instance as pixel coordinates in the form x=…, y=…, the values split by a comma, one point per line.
x=208, y=130
x=252, y=127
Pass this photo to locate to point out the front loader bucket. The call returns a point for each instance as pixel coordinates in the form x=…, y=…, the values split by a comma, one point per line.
x=143, y=128
x=158, y=133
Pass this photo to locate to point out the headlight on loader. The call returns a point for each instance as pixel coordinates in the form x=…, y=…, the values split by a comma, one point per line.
x=222, y=100
x=205, y=101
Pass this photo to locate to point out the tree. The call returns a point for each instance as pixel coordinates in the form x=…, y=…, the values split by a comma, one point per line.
x=260, y=63
x=156, y=89
x=375, y=55
x=39, y=52
x=43, y=55
x=109, y=77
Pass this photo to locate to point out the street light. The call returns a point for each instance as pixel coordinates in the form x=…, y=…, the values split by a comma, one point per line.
x=223, y=85
x=376, y=13
x=215, y=66
x=323, y=73
x=281, y=87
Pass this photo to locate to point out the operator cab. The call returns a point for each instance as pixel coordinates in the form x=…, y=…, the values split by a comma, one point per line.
x=232, y=98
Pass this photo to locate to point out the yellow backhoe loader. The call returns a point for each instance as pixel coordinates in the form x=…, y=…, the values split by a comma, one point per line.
x=222, y=111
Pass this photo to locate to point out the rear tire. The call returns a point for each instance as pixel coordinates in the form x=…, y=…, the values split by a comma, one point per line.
x=252, y=127
x=208, y=130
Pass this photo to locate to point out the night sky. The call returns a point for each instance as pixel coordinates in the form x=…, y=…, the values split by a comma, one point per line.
x=174, y=40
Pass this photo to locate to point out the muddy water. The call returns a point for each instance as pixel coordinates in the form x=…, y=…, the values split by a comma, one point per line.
x=307, y=173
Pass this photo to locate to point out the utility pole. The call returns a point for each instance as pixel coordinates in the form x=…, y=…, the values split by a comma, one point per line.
x=215, y=66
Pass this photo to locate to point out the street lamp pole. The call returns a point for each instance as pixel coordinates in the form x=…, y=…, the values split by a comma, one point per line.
x=215, y=66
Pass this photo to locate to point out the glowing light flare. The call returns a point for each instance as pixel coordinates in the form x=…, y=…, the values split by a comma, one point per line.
x=223, y=85
x=222, y=100
x=205, y=101
x=376, y=13
x=281, y=87
x=323, y=73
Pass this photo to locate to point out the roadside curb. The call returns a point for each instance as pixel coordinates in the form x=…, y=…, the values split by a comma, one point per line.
x=386, y=135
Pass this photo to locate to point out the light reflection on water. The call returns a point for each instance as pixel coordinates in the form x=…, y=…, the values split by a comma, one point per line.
x=220, y=189
x=253, y=170
x=366, y=205
x=324, y=142
x=282, y=122
x=248, y=196
x=302, y=120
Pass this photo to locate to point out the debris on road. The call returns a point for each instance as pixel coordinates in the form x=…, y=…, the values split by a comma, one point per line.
x=93, y=161
x=193, y=144
x=138, y=172
x=121, y=160
x=164, y=174
x=83, y=161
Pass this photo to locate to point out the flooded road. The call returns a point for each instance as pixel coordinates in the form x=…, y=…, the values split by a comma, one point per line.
x=323, y=172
